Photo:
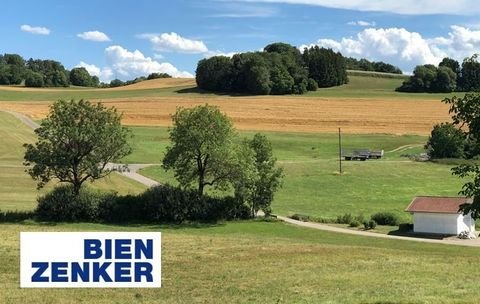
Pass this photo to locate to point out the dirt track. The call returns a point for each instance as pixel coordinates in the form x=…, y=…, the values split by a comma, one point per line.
x=296, y=114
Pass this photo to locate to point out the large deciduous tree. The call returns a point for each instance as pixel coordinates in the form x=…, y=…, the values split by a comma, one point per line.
x=75, y=143
x=466, y=115
x=260, y=181
x=202, y=150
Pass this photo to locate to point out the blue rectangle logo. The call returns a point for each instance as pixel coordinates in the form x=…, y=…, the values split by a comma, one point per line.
x=90, y=259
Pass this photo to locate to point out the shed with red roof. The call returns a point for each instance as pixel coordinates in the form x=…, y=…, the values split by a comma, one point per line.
x=440, y=214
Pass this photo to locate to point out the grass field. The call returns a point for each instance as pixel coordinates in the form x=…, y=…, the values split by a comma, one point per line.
x=312, y=185
x=257, y=262
x=269, y=262
x=17, y=189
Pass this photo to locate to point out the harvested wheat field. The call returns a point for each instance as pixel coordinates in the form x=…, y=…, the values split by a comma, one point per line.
x=160, y=83
x=281, y=113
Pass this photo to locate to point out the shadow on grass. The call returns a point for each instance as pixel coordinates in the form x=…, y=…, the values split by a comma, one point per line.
x=410, y=233
x=196, y=90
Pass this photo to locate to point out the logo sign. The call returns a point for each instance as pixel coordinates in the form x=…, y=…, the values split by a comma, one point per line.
x=90, y=259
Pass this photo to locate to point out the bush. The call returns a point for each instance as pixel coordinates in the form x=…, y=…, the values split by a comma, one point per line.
x=15, y=216
x=61, y=205
x=171, y=204
x=300, y=217
x=386, y=218
x=347, y=218
x=312, y=85
x=354, y=223
x=158, y=204
x=371, y=224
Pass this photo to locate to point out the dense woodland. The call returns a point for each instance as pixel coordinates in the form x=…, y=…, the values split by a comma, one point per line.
x=14, y=70
x=279, y=69
x=448, y=77
x=371, y=66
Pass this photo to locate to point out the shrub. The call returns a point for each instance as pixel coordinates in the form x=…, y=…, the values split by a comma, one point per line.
x=347, y=218
x=61, y=205
x=15, y=216
x=386, y=218
x=312, y=85
x=371, y=224
x=354, y=223
x=166, y=203
x=300, y=217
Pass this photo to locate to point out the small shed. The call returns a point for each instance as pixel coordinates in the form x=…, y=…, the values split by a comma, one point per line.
x=440, y=214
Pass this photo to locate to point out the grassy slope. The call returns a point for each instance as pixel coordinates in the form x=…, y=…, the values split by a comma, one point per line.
x=311, y=185
x=17, y=189
x=358, y=87
x=251, y=262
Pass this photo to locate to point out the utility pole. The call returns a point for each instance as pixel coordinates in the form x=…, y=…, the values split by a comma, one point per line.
x=340, y=149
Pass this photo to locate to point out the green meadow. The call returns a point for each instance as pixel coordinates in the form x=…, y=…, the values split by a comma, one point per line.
x=265, y=261
x=358, y=87
x=262, y=262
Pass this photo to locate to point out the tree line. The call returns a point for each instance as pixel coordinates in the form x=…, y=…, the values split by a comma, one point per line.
x=279, y=69
x=448, y=76
x=371, y=66
x=15, y=70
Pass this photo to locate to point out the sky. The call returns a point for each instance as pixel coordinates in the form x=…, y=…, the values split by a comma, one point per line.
x=126, y=39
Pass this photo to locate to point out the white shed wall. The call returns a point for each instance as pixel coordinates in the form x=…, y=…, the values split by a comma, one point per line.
x=438, y=223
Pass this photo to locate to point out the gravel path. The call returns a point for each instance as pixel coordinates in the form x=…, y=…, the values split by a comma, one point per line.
x=318, y=226
x=25, y=119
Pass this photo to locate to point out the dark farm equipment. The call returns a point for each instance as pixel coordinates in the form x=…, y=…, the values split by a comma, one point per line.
x=362, y=154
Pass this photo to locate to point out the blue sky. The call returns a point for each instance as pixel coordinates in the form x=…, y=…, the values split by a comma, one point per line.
x=126, y=39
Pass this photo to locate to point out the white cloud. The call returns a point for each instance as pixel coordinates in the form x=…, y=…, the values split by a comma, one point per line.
x=362, y=23
x=94, y=36
x=406, y=49
x=133, y=64
x=37, y=30
x=105, y=74
x=407, y=7
x=172, y=42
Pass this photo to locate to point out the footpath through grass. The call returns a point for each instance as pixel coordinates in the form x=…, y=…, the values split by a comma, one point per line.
x=258, y=262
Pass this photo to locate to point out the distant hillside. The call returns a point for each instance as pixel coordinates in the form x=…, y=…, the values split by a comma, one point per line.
x=159, y=83
x=376, y=74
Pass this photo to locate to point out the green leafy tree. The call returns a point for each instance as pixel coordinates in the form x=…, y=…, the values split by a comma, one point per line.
x=325, y=66
x=34, y=79
x=446, y=141
x=446, y=80
x=470, y=80
x=466, y=115
x=75, y=143
x=202, y=151
x=215, y=74
x=260, y=183
x=80, y=77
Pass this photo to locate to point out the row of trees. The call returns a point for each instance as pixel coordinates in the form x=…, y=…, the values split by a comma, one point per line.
x=49, y=73
x=371, y=66
x=78, y=139
x=279, y=69
x=37, y=73
x=449, y=76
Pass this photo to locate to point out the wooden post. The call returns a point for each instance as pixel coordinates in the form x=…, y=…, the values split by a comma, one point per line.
x=340, y=149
